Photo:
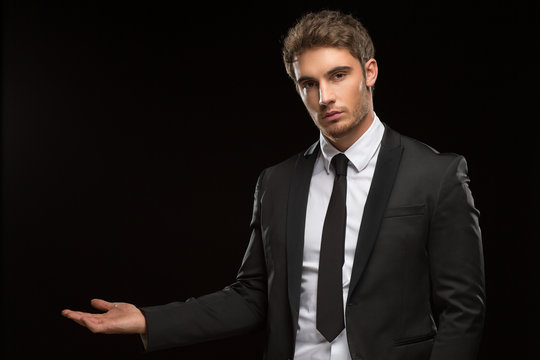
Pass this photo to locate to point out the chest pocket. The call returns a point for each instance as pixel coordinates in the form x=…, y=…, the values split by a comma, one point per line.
x=408, y=210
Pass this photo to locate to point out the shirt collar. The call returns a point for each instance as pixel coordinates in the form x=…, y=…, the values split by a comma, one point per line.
x=359, y=153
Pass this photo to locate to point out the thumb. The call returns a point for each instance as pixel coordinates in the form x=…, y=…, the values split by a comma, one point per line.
x=101, y=304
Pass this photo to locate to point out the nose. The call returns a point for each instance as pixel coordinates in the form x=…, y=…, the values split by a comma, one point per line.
x=326, y=95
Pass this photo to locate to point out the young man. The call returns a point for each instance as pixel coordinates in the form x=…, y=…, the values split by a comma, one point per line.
x=365, y=246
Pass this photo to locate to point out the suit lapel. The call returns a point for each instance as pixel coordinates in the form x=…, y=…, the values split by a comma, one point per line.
x=376, y=203
x=296, y=219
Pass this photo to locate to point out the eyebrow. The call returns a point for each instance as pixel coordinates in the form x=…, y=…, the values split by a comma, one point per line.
x=333, y=70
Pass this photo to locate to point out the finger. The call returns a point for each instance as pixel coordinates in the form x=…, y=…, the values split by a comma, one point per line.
x=76, y=316
x=73, y=315
x=101, y=304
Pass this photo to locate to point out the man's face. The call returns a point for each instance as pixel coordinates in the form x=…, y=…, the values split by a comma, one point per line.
x=332, y=86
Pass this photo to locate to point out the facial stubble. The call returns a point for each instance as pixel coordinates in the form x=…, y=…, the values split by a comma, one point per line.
x=359, y=114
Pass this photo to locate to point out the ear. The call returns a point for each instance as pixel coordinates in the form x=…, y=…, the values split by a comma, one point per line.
x=371, y=72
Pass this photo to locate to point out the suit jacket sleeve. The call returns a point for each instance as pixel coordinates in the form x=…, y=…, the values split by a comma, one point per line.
x=457, y=268
x=235, y=310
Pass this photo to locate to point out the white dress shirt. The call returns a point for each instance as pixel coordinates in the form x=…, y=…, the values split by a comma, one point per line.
x=362, y=155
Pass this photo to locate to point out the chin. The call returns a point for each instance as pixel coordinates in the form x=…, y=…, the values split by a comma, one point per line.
x=338, y=130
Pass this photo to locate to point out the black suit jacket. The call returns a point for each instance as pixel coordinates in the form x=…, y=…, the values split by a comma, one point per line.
x=417, y=284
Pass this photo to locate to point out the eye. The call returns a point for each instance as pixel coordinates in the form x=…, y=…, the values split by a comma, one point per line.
x=308, y=84
x=339, y=76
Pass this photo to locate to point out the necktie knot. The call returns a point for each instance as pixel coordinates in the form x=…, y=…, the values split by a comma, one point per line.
x=340, y=163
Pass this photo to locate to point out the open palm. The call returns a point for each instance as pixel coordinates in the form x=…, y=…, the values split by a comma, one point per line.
x=118, y=318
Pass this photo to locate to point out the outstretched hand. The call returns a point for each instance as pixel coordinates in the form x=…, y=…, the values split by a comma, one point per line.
x=118, y=318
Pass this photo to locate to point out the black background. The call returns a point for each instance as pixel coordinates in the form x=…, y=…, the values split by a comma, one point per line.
x=133, y=134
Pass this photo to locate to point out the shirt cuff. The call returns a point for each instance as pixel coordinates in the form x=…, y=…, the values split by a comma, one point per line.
x=144, y=339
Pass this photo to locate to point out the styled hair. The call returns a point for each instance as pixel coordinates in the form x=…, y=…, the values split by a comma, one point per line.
x=327, y=28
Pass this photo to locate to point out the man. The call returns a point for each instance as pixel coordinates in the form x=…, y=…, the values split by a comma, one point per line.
x=366, y=246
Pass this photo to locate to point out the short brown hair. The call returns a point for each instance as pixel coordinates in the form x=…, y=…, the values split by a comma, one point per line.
x=327, y=28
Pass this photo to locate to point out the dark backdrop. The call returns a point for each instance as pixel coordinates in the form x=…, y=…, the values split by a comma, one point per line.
x=133, y=135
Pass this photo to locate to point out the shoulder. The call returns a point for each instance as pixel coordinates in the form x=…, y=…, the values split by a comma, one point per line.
x=421, y=155
x=422, y=164
x=282, y=172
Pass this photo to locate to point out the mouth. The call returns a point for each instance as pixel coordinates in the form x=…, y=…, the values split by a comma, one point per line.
x=332, y=115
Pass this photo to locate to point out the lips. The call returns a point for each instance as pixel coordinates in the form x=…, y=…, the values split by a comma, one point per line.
x=332, y=115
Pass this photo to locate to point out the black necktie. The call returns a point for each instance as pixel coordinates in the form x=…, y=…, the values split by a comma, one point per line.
x=330, y=320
